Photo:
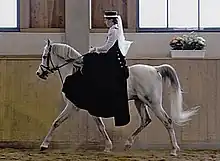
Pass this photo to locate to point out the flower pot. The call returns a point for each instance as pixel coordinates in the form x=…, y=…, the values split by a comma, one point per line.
x=187, y=53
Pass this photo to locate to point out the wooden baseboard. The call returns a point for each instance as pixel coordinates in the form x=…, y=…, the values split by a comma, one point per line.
x=105, y=30
x=62, y=30
x=100, y=146
x=18, y=57
x=32, y=144
x=43, y=30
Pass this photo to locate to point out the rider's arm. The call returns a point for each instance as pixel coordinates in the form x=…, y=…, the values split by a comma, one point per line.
x=112, y=37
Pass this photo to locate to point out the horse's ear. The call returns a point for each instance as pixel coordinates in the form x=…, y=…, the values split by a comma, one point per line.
x=48, y=42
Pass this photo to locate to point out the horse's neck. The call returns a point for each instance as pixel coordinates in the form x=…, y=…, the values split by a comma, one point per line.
x=67, y=69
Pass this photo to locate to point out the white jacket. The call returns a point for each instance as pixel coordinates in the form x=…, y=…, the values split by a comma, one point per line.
x=112, y=37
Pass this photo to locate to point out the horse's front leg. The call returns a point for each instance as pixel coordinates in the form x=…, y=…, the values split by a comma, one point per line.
x=101, y=127
x=64, y=115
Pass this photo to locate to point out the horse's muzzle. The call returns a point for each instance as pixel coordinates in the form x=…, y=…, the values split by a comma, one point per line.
x=43, y=76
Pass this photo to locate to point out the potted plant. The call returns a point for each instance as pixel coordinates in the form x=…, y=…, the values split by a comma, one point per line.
x=189, y=45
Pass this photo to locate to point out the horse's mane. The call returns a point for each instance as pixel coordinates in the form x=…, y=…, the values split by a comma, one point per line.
x=65, y=50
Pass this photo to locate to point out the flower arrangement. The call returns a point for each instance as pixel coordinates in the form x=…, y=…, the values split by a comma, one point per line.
x=188, y=42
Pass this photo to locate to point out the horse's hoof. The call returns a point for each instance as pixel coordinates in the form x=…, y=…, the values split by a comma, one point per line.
x=173, y=154
x=107, y=151
x=42, y=148
x=128, y=144
x=108, y=147
x=127, y=147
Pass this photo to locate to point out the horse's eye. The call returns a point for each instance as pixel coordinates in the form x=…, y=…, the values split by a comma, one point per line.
x=44, y=57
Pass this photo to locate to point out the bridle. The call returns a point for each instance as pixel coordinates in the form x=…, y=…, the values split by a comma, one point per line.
x=46, y=69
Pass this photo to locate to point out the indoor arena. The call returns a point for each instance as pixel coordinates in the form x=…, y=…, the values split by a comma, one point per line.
x=173, y=61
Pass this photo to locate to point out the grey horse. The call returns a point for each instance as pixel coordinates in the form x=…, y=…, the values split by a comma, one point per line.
x=144, y=87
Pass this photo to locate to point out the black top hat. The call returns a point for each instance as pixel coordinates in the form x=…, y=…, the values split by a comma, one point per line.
x=111, y=14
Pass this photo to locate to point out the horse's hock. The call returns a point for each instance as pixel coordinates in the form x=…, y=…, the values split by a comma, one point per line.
x=29, y=106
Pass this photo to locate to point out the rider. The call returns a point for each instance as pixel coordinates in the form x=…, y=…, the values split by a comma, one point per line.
x=114, y=23
x=105, y=74
x=111, y=71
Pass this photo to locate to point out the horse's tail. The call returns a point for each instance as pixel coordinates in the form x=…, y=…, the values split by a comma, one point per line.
x=178, y=115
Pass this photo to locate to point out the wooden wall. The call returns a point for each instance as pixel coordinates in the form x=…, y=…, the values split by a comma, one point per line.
x=42, y=15
x=29, y=106
x=126, y=8
x=47, y=13
x=50, y=14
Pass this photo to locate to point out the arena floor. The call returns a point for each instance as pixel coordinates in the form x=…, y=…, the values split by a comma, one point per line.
x=68, y=155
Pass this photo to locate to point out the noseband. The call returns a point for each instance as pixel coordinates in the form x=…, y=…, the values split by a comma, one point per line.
x=55, y=68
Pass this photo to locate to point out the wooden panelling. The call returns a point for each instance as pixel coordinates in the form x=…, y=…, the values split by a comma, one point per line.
x=47, y=13
x=99, y=6
x=24, y=14
x=51, y=13
x=29, y=106
x=131, y=14
x=126, y=8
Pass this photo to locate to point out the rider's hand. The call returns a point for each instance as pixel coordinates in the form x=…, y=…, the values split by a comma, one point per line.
x=91, y=50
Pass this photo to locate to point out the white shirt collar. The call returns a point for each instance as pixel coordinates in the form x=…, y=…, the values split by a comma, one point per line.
x=115, y=25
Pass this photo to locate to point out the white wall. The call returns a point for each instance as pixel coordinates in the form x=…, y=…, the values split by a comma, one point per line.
x=157, y=44
x=26, y=43
x=145, y=44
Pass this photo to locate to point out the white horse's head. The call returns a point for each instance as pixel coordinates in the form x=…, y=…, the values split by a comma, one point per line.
x=56, y=56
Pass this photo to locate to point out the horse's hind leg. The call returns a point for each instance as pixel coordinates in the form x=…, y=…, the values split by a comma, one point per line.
x=101, y=127
x=168, y=123
x=145, y=120
x=60, y=119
